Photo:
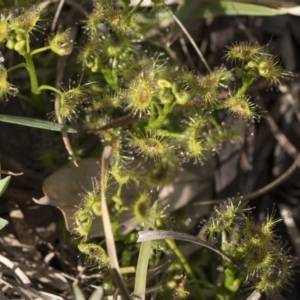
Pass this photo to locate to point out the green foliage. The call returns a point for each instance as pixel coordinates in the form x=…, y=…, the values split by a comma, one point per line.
x=36, y=123
x=143, y=106
x=255, y=246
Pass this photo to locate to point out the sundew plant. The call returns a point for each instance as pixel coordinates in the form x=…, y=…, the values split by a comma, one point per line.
x=140, y=103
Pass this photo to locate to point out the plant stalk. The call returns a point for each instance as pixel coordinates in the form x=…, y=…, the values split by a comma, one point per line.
x=143, y=260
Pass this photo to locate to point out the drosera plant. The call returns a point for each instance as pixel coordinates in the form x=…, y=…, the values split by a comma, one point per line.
x=255, y=245
x=161, y=113
x=17, y=36
x=253, y=253
x=142, y=106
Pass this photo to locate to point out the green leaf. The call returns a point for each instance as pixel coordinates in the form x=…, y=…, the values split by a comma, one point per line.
x=4, y=184
x=213, y=8
x=36, y=123
x=78, y=293
x=3, y=223
x=232, y=8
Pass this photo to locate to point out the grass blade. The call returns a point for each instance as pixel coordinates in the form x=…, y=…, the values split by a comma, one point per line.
x=36, y=123
x=4, y=184
x=3, y=223
x=153, y=235
x=108, y=232
x=143, y=260
x=213, y=8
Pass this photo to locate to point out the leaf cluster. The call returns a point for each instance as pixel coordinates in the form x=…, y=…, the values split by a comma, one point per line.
x=265, y=261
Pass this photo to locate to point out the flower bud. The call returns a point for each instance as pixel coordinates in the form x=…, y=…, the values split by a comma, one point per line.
x=183, y=97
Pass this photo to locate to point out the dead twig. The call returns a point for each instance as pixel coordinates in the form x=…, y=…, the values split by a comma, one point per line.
x=191, y=41
x=17, y=271
x=282, y=140
x=109, y=238
x=57, y=13
x=267, y=188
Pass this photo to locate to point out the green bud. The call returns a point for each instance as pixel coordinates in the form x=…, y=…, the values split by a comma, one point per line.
x=252, y=64
x=162, y=83
x=183, y=97
x=166, y=96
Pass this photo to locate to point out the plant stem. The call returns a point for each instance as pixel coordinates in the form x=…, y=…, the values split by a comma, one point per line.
x=166, y=133
x=134, y=9
x=186, y=266
x=21, y=65
x=49, y=88
x=246, y=84
x=144, y=255
x=168, y=108
x=141, y=271
x=155, y=123
x=27, y=44
x=32, y=74
x=39, y=50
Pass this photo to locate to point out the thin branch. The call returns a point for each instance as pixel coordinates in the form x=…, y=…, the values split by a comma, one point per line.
x=186, y=52
x=279, y=180
x=109, y=238
x=57, y=13
x=18, y=272
x=282, y=140
x=153, y=235
x=191, y=41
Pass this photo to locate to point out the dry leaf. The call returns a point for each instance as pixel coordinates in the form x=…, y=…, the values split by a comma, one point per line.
x=64, y=188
